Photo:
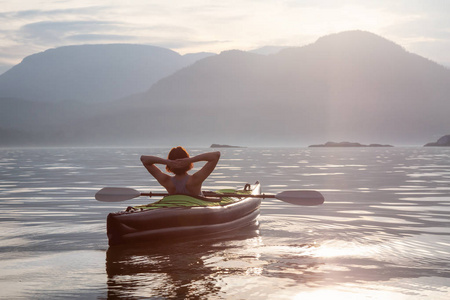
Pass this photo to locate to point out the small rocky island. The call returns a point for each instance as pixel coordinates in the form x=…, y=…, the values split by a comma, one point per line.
x=348, y=144
x=224, y=146
x=442, y=142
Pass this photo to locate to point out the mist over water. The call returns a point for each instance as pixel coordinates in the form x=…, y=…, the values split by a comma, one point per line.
x=383, y=231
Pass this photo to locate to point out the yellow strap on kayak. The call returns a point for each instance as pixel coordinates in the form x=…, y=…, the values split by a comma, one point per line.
x=188, y=201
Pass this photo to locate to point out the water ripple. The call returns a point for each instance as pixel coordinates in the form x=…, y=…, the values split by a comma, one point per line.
x=384, y=225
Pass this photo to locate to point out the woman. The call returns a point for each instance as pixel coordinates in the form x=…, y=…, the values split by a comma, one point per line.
x=179, y=163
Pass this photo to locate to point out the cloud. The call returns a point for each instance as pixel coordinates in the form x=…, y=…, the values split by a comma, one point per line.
x=186, y=44
x=202, y=25
x=32, y=13
x=56, y=32
x=424, y=29
x=99, y=38
x=33, y=27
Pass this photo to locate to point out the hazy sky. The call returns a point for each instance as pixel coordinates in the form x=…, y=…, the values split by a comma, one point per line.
x=30, y=26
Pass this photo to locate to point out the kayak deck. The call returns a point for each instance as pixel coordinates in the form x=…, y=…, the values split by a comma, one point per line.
x=182, y=216
x=189, y=201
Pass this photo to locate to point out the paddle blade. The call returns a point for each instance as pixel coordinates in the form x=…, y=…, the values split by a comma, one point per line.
x=301, y=197
x=114, y=194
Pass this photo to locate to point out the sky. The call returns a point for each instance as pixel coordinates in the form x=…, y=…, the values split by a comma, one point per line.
x=189, y=26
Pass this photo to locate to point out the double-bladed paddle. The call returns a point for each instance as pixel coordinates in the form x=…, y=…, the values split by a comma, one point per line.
x=301, y=197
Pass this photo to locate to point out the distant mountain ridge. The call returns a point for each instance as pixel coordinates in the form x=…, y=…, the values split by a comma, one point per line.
x=347, y=86
x=91, y=73
x=442, y=142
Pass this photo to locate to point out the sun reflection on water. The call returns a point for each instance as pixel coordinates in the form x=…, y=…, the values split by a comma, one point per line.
x=330, y=249
x=356, y=294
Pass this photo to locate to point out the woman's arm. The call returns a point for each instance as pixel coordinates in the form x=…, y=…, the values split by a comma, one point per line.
x=211, y=158
x=150, y=160
x=149, y=163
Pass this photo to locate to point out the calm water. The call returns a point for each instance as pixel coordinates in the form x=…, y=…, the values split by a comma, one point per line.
x=383, y=232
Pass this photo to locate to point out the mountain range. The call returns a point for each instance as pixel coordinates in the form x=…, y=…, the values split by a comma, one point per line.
x=353, y=85
x=91, y=73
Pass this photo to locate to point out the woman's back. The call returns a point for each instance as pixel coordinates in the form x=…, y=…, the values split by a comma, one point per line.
x=179, y=162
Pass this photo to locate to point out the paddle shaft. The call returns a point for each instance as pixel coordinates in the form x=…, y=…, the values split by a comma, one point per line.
x=212, y=194
x=112, y=194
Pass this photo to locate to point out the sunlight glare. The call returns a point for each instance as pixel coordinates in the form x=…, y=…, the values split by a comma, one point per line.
x=326, y=294
x=357, y=294
x=342, y=249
